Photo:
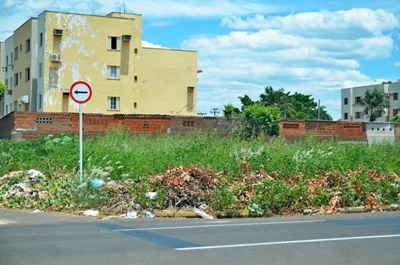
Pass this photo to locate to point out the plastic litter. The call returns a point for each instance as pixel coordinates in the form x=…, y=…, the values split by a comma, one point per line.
x=34, y=173
x=97, y=183
x=151, y=195
x=36, y=211
x=149, y=214
x=131, y=215
x=202, y=213
x=91, y=213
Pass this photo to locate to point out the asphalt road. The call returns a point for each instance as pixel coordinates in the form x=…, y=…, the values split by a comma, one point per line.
x=49, y=238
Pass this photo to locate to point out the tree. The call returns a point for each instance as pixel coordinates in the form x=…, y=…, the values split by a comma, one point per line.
x=260, y=119
x=278, y=98
x=373, y=101
x=230, y=110
x=246, y=101
x=3, y=89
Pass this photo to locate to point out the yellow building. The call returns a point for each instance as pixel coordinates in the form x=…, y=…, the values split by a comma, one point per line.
x=57, y=49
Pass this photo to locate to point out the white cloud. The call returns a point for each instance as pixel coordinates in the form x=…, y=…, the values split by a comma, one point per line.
x=313, y=53
x=151, y=45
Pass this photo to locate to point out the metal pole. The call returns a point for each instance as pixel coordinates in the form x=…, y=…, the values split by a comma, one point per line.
x=80, y=144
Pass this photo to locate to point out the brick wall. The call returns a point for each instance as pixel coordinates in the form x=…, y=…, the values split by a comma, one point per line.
x=34, y=125
x=294, y=130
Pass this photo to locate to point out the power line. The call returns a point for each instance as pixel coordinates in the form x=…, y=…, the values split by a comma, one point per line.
x=215, y=111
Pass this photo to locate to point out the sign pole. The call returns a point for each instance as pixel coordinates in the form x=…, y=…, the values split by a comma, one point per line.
x=80, y=92
x=80, y=144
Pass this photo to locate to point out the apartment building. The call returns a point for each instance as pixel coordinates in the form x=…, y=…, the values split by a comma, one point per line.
x=47, y=54
x=349, y=96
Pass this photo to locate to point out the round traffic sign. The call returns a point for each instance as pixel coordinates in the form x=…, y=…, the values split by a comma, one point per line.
x=80, y=92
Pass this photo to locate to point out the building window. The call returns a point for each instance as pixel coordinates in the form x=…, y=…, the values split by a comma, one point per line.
x=40, y=101
x=378, y=114
x=358, y=115
x=20, y=75
x=7, y=60
x=12, y=58
x=40, y=70
x=113, y=103
x=16, y=79
x=20, y=47
x=113, y=72
x=395, y=112
x=395, y=96
x=114, y=43
x=346, y=116
x=6, y=82
x=28, y=45
x=358, y=99
x=135, y=78
x=135, y=105
x=27, y=74
x=11, y=82
x=346, y=101
x=16, y=53
x=41, y=39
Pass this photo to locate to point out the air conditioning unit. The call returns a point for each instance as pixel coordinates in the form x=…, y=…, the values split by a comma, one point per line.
x=54, y=57
x=11, y=66
x=126, y=37
x=190, y=89
x=24, y=99
x=9, y=92
x=58, y=32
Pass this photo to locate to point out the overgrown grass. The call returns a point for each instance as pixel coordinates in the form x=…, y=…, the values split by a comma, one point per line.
x=120, y=156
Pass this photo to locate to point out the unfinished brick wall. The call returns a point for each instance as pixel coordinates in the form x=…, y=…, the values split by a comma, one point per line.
x=294, y=130
x=34, y=125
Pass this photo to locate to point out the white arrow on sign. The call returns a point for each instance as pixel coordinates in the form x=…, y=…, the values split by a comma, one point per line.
x=80, y=92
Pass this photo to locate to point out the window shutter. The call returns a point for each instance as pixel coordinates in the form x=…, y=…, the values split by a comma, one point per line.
x=109, y=103
x=109, y=43
x=117, y=103
x=109, y=71
x=118, y=71
x=118, y=43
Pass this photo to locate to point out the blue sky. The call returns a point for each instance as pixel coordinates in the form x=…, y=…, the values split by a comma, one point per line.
x=310, y=46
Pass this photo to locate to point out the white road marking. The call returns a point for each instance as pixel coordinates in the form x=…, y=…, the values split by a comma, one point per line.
x=5, y=221
x=290, y=242
x=211, y=226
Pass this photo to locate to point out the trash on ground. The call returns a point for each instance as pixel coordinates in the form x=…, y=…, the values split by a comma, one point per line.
x=148, y=214
x=97, y=183
x=202, y=213
x=151, y=195
x=36, y=211
x=90, y=213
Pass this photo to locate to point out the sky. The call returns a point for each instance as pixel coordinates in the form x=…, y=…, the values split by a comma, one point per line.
x=311, y=47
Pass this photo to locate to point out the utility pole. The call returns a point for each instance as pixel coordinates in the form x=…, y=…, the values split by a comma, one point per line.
x=214, y=111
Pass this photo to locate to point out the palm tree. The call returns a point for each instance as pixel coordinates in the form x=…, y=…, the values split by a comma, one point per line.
x=278, y=98
x=373, y=102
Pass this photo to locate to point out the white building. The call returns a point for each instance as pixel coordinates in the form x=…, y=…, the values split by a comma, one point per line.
x=350, y=96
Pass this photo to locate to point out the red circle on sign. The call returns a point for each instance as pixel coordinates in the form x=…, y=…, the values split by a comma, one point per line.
x=80, y=92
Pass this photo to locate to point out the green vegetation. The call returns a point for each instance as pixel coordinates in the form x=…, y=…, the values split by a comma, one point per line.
x=3, y=89
x=264, y=178
x=296, y=106
x=373, y=101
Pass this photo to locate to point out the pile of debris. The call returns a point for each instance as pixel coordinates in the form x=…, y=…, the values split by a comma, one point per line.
x=23, y=187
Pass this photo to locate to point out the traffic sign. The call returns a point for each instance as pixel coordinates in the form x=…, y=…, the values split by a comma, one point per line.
x=80, y=92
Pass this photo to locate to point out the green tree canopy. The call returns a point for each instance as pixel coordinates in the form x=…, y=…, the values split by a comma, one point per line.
x=373, y=101
x=296, y=106
x=230, y=110
x=260, y=119
x=3, y=89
